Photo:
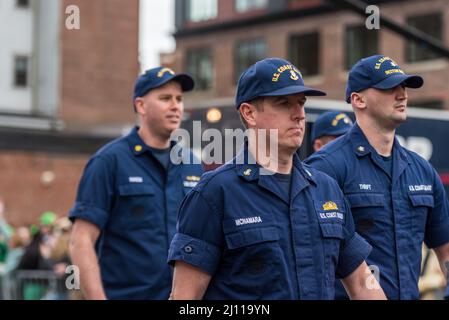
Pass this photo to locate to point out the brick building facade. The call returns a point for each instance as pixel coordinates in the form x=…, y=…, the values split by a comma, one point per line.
x=99, y=64
x=42, y=155
x=312, y=34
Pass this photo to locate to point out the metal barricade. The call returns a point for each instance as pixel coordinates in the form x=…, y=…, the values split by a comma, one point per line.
x=31, y=285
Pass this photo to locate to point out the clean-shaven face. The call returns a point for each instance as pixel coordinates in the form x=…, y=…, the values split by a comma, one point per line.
x=163, y=109
x=388, y=107
x=287, y=114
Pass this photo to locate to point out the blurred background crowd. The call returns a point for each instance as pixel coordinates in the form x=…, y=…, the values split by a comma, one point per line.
x=34, y=259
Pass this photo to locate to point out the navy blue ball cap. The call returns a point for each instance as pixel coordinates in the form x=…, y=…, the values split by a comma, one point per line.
x=271, y=77
x=378, y=72
x=159, y=76
x=331, y=123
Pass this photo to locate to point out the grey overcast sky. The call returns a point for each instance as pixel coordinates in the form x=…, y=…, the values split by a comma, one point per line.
x=156, y=25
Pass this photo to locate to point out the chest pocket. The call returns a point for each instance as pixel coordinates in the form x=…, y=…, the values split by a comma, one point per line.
x=330, y=215
x=136, y=205
x=366, y=207
x=332, y=234
x=140, y=189
x=253, y=251
x=251, y=236
x=332, y=230
x=362, y=200
x=421, y=204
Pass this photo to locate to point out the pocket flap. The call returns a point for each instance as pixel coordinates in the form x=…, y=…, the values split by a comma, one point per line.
x=425, y=200
x=366, y=200
x=332, y=230
x=136, y=189
x=247, y=237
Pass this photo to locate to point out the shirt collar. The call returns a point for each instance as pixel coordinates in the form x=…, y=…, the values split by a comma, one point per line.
x=299, y=165
x=249, y=170
x=137, y=145
x=362, y=147
x=360, y=144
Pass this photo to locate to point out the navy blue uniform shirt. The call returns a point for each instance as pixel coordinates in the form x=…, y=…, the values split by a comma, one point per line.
x=394, y=214
x=239, y=227
x=133, y=200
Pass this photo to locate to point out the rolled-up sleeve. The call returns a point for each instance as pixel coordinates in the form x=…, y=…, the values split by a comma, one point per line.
x=199, y=238
x=91, y=213
x=194, y=251
x=354, y=249
x=352, y=255
x=95, y=193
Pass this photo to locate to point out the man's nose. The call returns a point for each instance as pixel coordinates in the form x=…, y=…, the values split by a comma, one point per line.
x=176, y=104
x=299, y=112
x=401, y=92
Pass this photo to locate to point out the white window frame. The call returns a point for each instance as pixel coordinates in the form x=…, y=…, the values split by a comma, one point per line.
x=201, y=10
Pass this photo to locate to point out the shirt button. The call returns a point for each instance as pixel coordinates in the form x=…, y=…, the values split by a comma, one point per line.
x=188, y=249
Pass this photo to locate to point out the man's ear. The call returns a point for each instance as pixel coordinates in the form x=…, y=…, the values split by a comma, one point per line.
x=358, y=100
x=317, y=145
x=139, y=106
x=248, y=112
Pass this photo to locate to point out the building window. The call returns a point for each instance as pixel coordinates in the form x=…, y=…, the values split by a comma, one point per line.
x=200, y=10
x=360, y=43
x=432, y=104
x=304, y=52
x=248, y=53
x=21, y=71
x=22, y=3
x=199, y=66
x=430, y=24
x=247, y=5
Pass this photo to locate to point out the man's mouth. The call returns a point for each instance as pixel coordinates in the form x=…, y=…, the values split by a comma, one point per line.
x=174, y=117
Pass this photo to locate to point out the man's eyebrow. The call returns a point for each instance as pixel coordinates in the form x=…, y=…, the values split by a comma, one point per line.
x=280, y=98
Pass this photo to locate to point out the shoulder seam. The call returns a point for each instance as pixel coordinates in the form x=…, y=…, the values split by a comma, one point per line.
x=214, y=174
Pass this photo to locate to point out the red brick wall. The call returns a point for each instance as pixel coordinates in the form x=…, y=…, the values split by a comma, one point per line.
x=332, y=56
x=26, y=196
x=227, y=12
x=99, y=63
x=98, y=67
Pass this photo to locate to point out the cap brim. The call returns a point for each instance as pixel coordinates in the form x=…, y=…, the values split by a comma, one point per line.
x=186, y=81
x=294, y=90
x=337, y=132
x=410, y=81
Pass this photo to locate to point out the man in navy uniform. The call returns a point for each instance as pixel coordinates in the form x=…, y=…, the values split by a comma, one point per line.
x=396, y=197
x=278, y=231
x=328, y=126
x=128, y=198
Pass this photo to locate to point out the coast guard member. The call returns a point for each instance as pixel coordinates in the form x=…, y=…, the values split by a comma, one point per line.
x=245, y=234
x=328, y=126
x=128, y=198
x=396, y=197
